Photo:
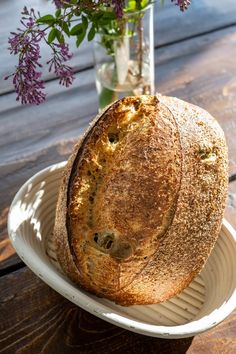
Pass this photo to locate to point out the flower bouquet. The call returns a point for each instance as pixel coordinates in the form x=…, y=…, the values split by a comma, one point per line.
x=119, y=29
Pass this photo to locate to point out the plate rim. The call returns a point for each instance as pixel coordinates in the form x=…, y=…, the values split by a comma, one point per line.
x=82, y=298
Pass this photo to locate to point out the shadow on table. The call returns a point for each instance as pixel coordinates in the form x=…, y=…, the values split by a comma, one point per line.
x=87, y=333
x=10, y=264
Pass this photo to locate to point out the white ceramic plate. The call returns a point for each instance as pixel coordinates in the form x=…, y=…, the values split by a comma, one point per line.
x=209, y=299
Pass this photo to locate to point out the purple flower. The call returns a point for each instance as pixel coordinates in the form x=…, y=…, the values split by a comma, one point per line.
x=183, y=4
x=29, y=87
x=27, y=79
x=118, y=5
x=65, y=74
x=58, y=4
x=57, y=64
x=64, y=51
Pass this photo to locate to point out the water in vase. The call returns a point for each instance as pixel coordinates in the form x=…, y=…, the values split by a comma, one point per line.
x=110, y=87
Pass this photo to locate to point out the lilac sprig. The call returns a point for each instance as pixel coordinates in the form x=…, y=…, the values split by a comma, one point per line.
x=27, y=78
x=92, y=16
x=58, y=3
x=57, y=64
x=183, y=4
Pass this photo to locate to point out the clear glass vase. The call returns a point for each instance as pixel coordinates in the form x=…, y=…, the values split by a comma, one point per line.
x=124, y=57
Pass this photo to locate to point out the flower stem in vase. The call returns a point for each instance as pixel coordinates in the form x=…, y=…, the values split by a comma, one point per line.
x=124, y=55
x=122, y=59
x=140, y=47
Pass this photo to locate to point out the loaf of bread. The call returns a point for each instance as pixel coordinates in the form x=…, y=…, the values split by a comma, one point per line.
x=142, y=200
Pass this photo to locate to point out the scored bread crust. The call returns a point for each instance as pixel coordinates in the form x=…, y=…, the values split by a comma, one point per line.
x=150, y=178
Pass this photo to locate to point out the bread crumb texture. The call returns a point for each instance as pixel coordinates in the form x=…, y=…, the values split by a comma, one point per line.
x=142, y=200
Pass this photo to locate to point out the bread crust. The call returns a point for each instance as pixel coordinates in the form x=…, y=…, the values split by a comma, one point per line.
x=142, y=199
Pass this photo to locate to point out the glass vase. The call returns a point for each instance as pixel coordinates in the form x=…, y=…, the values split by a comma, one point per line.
x=124, y=57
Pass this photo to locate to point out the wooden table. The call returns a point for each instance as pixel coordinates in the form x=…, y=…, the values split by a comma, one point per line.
x=195, y=61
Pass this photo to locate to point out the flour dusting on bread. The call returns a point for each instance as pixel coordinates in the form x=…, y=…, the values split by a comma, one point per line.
x=142, y=199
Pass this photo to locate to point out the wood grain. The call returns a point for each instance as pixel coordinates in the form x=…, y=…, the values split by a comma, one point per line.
x=49, y=324
x=202, y=70
x=196, y=70
x=14, y=175
x=32, y=137
x=171, y=25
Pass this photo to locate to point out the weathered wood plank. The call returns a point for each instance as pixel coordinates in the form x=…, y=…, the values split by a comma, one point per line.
x=12, y=176
x=31, y=137
x=65, y=114
x=170, y=25
x=10, y=17
x=196, y=70
x=41, y=321
x=203, y=71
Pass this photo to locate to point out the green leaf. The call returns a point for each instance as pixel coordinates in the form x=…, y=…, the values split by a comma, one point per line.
x=131, y=5
x=77, y=29
x=52, y=35
x=59, y=36
x=108, y=15
x=65, y=28
x=77, y=12
x=80, y=38
x=97, y=16
x=67, y=5
x=70, y=17
x=58, y=13
x=80, y=30
x=91, y=34
x=85, y=22
x=144, y=3
x=48, y=19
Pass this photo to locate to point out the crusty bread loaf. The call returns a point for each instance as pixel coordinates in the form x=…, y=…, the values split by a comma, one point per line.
x=142, y=200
